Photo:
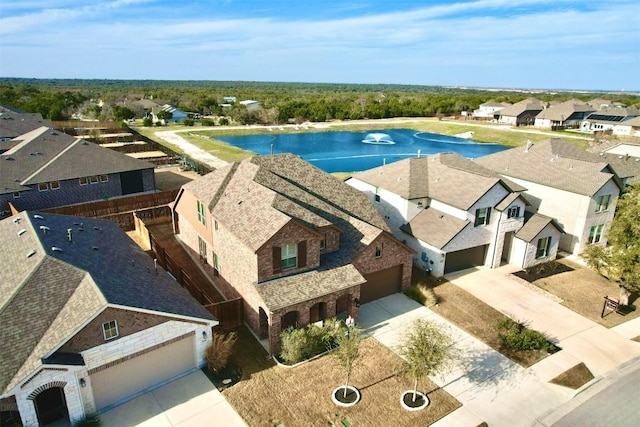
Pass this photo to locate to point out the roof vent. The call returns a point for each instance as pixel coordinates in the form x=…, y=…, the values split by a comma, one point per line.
x=9, y=158
x=22, y=231
x=30, y=254
x=44, y=229
x=95, y=248
x=17, y=219
x=97, y=228
x=56, y=249
x=36, y=216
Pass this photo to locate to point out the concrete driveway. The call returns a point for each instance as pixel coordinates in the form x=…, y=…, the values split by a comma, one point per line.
x=190, y=401
x=581, y=339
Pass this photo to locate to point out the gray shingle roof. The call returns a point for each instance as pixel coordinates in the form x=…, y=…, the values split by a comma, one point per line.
x=529, y=104
x=14, y=123
x=555, y=163
x=533, y=225
x=565, y=110
x=50, y=281
x=446, y=177
x=45, y=155
x=435, y=227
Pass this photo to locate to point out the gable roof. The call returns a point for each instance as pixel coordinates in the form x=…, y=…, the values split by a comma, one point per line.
x=45, y=155
x=446, y=177
x=529, y=104
x=14, y=123
x=624, y=157
x=614, y=115
x=563, y=111
x=435, y=227
x=50, y=286
x=554, y=163
x=533, y=225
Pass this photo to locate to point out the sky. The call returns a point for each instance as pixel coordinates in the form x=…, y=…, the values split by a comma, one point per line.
x=527, y=44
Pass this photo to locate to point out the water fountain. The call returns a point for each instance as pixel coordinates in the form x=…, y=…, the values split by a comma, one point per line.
x=378, y=138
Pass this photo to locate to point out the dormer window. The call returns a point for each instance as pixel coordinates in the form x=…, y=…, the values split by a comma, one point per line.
x=602, y=203
x=110, y=330
x=289, y=256
x=513, y=212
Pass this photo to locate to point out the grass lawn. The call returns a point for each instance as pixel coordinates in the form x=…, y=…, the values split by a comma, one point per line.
x=583, y=291
x=574, y=378
x=269, y=395
x=474, y=316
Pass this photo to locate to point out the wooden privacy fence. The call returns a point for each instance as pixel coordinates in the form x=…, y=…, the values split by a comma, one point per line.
x=228, y=313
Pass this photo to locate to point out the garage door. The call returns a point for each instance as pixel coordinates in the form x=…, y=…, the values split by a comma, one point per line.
x=381, y=284
x=125, y=379
x=466, y=258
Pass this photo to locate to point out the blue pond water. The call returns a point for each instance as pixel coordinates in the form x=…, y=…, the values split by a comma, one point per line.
x=346, y=151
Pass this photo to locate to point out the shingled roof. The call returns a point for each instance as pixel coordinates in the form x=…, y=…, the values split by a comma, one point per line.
x=446, y=177
x=14, y=123
x=435, y=227
x=533, y=225
x=529, y=104
x=555, y=163
x=50, y=285
x=45, y=155
x=561, y=112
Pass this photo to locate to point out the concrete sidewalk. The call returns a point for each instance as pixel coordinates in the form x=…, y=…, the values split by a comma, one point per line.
x=581, y=339
x=490, y=387
x=190, y=401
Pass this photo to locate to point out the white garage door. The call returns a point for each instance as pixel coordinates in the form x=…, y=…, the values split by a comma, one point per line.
x=123, y=380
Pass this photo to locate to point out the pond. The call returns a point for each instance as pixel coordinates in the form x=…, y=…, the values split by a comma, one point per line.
x=358, y=151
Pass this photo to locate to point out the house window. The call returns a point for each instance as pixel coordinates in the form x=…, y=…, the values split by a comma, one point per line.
x=202, y=249
x=110, y=330
x=602, y=203
x=378, y=251
x=55, y=185
x=513, y=212
x=215, y=225
x=544, y=246
x=83, y=180
x=43, y=186
x=93, y=179
x=289, y=256
x=216, y=265
x=595, y=233
x=104, y=178
x=483, y=216
x=323, y=243
x=377, y=196
x=202, y=217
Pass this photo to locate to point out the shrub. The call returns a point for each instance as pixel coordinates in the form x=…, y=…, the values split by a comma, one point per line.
x=207, y=122
x=297, y=345
x=421, y=294
x=220, y=350
x=88, y=421
x=147, y=121
x=188, y=122
x=293, y=344
x=517, y=336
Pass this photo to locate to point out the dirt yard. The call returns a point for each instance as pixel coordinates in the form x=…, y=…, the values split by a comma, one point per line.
x=172, y=178
x=270, y=395
x=582, y=289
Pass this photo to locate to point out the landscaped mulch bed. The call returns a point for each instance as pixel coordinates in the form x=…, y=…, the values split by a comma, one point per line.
x=583, y=291
x=270, y=395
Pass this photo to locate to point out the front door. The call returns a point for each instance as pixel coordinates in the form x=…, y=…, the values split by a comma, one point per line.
x=51, y=406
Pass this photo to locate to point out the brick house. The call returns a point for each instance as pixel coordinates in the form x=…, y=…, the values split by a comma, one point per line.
x=454, y=213
x=87, y=320
x=45, y=168
x=297, y=244
x=576, y=188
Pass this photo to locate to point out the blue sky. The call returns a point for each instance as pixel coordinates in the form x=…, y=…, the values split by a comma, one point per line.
x=559, y=44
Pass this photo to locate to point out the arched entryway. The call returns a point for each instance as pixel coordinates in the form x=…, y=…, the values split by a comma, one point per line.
x=51, y=406
x=289, y=320
x=317, y=312
x=264, y=324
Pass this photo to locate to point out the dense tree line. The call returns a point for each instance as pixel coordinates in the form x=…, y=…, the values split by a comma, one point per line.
x=280, y=102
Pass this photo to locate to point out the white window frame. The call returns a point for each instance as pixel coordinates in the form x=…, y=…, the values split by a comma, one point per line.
x=482, y=218
x=110, y=330
x=545, y=249
x=288, y=256
x=595, y=233
x=56, y=186
x=603, y=202
x=104, y=178
x=85, y=179
x=93, y=179
x=46, y=186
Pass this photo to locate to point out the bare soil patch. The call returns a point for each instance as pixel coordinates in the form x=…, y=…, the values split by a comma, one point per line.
x=173, y=178
x=583, y=291
x=574, y=378
x=473, y=316
x=269, y=395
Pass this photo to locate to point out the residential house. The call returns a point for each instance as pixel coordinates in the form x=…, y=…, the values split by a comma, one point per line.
x=250, y=104
x=623, y=156
x=46, y=168
x=297, y=244
x=567, y=115
x=14, y=123
x=576, y=188
x=453, y=212
x=521, y=113
x=489, y=109
x=607, y=119
x=177, y=115
x=628, y=127
x=229, y=99
x=88, y=322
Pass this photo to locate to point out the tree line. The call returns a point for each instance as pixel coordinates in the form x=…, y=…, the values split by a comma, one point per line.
x=280, y=103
